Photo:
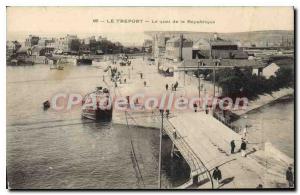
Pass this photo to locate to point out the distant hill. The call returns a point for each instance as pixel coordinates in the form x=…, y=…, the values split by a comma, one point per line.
x=260, y=38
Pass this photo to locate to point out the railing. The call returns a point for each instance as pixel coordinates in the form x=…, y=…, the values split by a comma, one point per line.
x=196, y=165
x=226, y=122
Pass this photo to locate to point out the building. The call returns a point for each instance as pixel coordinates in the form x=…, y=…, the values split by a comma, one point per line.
x=88, y=40
x=159, y=45
x=31, y=41
x=223, y=49
x=84, y=48
x=12, y=47
x=64, y=43
x=217, y=48
x=269, y=70
x=41, y=50
x=179, y=48
x=23, y=52
x=201, y=49
x=147, y=46
x=100, y=38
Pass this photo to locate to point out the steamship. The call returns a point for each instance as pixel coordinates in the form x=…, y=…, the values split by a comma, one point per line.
x=97, y=105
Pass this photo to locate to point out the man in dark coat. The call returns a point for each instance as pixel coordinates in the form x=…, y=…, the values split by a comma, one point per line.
x=195, y=106
x=232, y=144
x=243, y=148
x=290, y=177
x=217, y=175
x=175, y=86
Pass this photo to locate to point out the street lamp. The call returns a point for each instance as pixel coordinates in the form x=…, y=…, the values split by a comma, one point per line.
x=199, y=63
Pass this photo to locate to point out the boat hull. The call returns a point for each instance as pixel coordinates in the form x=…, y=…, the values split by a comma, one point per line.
x=84, y=62
x=97, y=115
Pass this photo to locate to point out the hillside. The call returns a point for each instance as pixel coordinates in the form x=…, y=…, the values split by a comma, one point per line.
x=258, y=37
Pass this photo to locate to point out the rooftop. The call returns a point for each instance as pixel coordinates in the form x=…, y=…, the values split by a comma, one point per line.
x=177, y=39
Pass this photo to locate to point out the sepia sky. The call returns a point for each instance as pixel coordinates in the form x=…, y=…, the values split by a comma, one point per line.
x=57, y=21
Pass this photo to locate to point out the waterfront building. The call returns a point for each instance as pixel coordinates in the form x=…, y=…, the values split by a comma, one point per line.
x=159, y=45
x=31, y=41
x=147, y=46
x=41, y=50
x=12, y=47
x=84, y=48
x=225, y=49
x=217, y=48
x=88, y=40
x=64, y=43
x=179, y=48
x=201, y=49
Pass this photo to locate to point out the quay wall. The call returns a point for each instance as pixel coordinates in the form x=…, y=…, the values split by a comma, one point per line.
x=263, y=100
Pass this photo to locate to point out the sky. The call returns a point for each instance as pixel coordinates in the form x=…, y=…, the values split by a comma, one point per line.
x=58, y=21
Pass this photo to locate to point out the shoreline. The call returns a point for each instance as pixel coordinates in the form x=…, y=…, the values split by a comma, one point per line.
x=263, y=100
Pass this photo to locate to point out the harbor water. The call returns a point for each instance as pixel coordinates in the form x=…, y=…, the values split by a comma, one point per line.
x=47, y=149
x=273, y=123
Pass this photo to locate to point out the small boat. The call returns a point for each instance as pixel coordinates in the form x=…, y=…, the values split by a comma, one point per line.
x=84, y=60
x=60, y=67
x=55, y=63
x=97, y=105
x=21, y=62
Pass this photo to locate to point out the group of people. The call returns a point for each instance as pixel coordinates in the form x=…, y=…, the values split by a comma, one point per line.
x=244, y=142
x=173, y=86
x=217, y=175
x=243, y=147
x=195, y=105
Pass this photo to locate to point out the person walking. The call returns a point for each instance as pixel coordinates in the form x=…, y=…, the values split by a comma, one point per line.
x=167, y=113
x=232, y=144
x=167, y=86
x=243, y=148
x=206, y=109
x=128, y=101
x=174, y=134
x=217, y=175
x=290, y=177
x=145, y=83
x=245, y=131
x=195, y=106
x=175, y=86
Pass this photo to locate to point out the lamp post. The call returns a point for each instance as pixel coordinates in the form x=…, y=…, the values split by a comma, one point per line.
x=199, y=62
x=160, y=143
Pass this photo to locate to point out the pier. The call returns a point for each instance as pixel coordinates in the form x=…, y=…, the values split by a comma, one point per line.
x=202, y=140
